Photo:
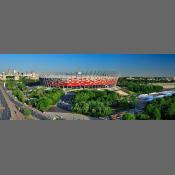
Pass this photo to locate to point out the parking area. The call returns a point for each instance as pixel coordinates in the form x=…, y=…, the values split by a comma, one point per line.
x=68, y=116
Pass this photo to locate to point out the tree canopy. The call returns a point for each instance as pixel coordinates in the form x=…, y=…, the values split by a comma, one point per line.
x=139, y=86
x=159, y=109
x=40, y=98
x=98, y=103
x=43, y=99
x=128, y=116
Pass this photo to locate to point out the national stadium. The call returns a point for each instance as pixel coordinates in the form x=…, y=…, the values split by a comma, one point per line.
x=79, y=80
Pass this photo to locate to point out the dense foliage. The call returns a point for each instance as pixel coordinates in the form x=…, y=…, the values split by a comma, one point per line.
x=39, y=98
x=17, y=89
x=43, y=99
x=128, y=116
x=139, y=86
x=26, y=111
x=11, y=85
x=145, y=80
x=19, y=95
x=159, y=109
x=98, y=103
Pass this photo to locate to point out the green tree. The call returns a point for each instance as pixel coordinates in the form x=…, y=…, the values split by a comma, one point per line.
x=11, y=84
x=85, y=108
x=128, y=116
x=94, y=102
x=156, y=114
x=26, y=111
x=43, y=104
x=171, y=112
x=21, y=86
x=133, y=101
x=139, y=86
x=19, y=95
x=142, y=116
x=153, y=111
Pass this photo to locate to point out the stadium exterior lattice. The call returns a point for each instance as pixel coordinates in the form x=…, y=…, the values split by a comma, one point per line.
x=79, y=80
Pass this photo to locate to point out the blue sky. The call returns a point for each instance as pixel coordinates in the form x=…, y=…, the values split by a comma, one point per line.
x=126, y=64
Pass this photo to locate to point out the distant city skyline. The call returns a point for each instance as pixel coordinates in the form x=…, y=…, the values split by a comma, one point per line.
x=125, y=64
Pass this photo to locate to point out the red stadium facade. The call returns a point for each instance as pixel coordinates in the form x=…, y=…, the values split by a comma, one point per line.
x=79, y=80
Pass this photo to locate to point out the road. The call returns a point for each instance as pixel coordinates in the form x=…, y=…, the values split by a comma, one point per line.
x=4, y=109
x=36, y=114
x=10, y=112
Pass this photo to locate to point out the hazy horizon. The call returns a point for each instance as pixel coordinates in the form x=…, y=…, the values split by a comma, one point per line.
x=125, y=64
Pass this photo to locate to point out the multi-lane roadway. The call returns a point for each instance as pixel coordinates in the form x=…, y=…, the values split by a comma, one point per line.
x=4, y=110
x=12, y=111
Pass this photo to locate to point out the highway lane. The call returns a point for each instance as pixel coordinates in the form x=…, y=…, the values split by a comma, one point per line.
x=15, y=114
x=11, y=112
x=4, y=110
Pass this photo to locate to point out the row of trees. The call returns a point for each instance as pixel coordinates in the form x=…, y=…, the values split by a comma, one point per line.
x=145, y=80
x=159, y=109
x=139, y=87
x=99, y=103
